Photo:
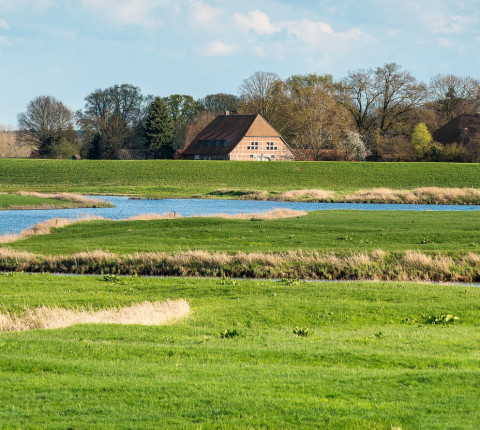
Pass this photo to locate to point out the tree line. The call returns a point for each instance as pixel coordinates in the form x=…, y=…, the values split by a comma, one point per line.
x=382, y=113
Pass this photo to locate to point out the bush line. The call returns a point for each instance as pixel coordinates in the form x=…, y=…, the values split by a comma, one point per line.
x=376, y=265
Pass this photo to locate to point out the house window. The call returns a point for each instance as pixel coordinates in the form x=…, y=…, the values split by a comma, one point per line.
x=217, y=143
x=196, y=157
x=251, y=155
x=201, y=143
x=209, y=143
x=253, y=145
x=225, y=143
x=271, y=147
x=272, y=157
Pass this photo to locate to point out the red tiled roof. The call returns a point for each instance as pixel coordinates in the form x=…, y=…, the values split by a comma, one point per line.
x=459, y=129
x=230, y=128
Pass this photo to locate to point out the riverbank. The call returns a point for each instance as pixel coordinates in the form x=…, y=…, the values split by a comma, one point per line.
x=24, y=200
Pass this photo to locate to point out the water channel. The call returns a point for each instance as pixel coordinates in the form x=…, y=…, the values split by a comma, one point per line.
x=18, y=220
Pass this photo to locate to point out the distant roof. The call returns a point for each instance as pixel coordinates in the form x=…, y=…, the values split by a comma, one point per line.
x=231, y=129
x=459, y=129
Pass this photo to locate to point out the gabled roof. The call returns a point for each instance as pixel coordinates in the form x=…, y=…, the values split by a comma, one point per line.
x=231, y=129
x=459, y=129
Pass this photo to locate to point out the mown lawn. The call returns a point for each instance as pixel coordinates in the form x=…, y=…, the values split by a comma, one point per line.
x=449, y=232
x=179, y=178
x=370, y=362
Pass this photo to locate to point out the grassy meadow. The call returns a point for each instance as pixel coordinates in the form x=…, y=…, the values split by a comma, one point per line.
x=252, y=353
x=366, y=356
x=182, y=178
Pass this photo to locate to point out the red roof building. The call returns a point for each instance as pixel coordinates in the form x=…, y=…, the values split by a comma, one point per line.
x=238, y=137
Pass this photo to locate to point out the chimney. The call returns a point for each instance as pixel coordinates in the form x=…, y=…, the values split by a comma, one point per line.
x=227, y=112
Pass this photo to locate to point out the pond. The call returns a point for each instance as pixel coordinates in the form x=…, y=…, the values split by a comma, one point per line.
x=16, y=221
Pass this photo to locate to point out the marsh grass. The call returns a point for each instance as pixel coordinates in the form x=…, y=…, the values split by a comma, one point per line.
x=69, y=197
x=375, y=265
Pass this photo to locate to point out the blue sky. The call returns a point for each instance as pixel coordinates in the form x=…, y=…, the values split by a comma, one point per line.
x=68, y=48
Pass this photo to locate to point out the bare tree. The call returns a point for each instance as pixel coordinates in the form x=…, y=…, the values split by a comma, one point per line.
x=45, y=122
x=264, y=93
x=453, y=95
x=196, y=125
x=317, y=120
x=219, y=103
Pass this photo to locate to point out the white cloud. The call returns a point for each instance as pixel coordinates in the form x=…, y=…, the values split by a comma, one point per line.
x=217, y=47
x=257, y=21
x=204, y=14
x=4, y=24
x=124, y=12
x=445, y=43
x=4, y=41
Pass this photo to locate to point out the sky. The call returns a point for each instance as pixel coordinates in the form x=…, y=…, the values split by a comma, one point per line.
x=69, y=48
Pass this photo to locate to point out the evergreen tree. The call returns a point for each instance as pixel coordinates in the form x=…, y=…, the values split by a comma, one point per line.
x=421, y=140
x=159, y=130
x=95, y=147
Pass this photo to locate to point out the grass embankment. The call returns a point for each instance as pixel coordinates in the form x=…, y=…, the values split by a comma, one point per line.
x=441, y=246
x=177, y=178
x=33, y=200
x=371, y=359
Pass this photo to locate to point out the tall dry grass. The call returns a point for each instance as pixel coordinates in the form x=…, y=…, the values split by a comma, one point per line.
x=146, y=313
x=375, y=265
x=45, y=227
x=269, y=215
x=76, y=198
x=425, y=195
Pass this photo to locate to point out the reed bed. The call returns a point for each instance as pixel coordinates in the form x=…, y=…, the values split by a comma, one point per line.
x=146, y=313
x=423, y=195
x=269, y=215
x=374, y=265
x=88, y=202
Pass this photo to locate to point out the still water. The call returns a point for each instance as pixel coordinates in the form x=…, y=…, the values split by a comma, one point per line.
x=16, y=221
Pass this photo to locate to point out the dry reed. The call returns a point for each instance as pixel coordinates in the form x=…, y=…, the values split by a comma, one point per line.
x=146, y=313
x=377, y=265
x=269, y=215
x=76, y=198
x=425, y=195
x=45, y=227
x=149, y=217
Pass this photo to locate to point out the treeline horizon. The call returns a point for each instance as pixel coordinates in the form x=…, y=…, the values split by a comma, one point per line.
x=380, y=114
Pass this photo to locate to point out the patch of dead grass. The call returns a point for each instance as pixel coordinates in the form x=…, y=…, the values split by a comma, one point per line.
x=146, y=313
x=269, y=215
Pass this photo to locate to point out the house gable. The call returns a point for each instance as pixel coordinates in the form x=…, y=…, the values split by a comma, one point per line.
x=238, y=137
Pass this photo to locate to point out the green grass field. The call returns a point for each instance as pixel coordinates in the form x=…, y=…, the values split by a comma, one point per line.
x=370, y=362
x=177, y=178
x=448, y=232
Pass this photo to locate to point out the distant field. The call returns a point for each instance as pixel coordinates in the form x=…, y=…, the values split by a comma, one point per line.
x=165, y=178
x=371, y=359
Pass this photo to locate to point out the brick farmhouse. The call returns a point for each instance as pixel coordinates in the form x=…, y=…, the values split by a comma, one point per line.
x=238, y=137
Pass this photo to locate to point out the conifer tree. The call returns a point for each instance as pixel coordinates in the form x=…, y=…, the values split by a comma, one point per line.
x=159, y=130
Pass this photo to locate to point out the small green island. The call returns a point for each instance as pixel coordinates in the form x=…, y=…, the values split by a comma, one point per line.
x=32, y=200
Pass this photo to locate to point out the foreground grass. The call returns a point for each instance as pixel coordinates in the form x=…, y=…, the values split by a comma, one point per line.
x=370, y=361
x=448, y=232
x=177, y=178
